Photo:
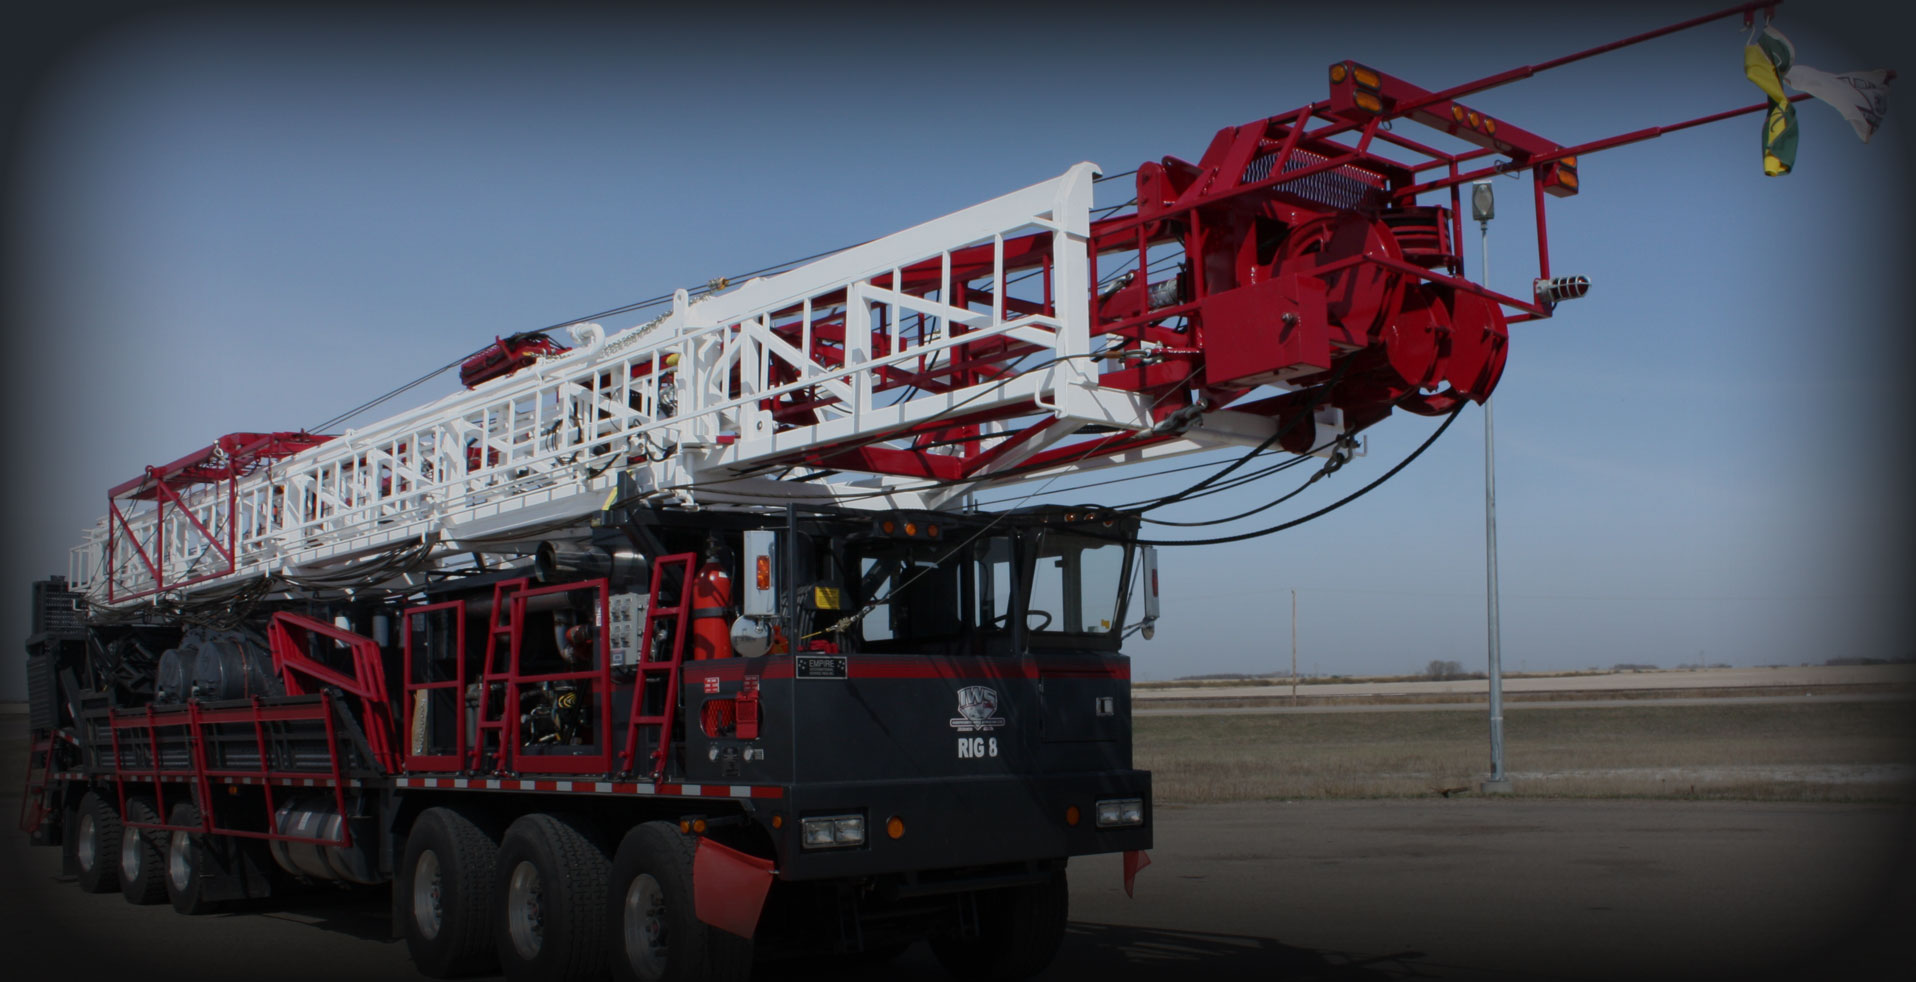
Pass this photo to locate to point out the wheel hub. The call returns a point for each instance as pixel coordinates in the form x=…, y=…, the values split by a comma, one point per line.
x=428, y=910
x=525, y=920
x=179, y=861
x=88, y=849
x=130, y=857
x=647, y=941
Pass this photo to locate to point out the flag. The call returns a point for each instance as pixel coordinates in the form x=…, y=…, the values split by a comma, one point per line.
x=1764, y=63
x=1862, y=97
x=1770, y=62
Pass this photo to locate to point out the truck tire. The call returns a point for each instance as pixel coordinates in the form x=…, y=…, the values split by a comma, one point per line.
x=551, y=889
x=444, y=893
x=96, y=846
x=655, y=934
x=142, y=856
x=188, y=864
x=1019, y=930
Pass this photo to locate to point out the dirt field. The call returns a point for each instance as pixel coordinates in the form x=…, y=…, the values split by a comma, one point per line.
x=1811, y=750
x=1748, y=680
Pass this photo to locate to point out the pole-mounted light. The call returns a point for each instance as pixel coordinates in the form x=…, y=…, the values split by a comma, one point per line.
x=1483, y=201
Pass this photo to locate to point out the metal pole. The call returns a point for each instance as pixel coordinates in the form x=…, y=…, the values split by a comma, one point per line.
x=1498, y=782
x=1293, y=646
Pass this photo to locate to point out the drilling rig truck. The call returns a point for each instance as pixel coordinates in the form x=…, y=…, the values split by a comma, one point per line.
x=684, y=645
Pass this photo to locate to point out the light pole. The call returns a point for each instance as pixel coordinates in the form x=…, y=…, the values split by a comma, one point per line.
x=1483, y=207
x=1293, y=647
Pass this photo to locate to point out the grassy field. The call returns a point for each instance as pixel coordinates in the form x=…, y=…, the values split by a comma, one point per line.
x=1308, y=698
x=1811, y=751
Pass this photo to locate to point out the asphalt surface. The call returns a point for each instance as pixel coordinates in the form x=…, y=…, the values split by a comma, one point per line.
x=1466, y=888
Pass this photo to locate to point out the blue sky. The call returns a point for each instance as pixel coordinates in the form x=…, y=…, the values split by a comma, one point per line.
x=225, y=219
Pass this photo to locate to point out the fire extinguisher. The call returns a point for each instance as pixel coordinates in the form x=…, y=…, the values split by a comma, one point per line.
x=711, y=608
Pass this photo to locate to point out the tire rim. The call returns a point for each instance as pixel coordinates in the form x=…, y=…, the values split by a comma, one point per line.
x=88, y=850
x=646, y=938
x=428, y=911
x=179, y=861
x=130, y=858
x=525, y=913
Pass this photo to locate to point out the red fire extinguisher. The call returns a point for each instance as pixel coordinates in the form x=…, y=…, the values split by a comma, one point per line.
x=711, y=609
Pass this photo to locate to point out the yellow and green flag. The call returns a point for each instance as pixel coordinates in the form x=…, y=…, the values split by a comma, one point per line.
x=1765, y=62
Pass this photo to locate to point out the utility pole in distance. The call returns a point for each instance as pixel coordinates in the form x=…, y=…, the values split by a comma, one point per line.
x=1293, y=647
x=1483, y=208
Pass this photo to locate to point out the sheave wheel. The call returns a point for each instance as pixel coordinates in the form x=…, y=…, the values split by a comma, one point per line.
x=444, y=887
x=1019, y=930
x=551, y=887
x=655, y=934
x=188, y=863
x=97, y=844
x=142, y=856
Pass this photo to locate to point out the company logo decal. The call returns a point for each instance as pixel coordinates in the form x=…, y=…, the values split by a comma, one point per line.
x=976, y=706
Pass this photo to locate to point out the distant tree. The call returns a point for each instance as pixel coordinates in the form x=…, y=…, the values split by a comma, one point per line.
x=1441, y=670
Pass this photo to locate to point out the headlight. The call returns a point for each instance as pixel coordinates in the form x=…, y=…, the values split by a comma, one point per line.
x=1119, y=812
x=829, y=831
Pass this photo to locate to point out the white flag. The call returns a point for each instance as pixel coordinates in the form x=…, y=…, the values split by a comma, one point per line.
x=1862, y=97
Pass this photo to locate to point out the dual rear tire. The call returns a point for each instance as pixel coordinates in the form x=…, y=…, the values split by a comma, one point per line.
x=190, y=863
x=444, y=893
x=143, y=855
x=551, y=887
x=547, y=900
x=528, y=904
x=147, y=866
x=96, y=848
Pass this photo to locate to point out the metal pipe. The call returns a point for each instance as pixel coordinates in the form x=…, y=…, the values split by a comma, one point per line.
x=1515, y=74
x=1637, y=136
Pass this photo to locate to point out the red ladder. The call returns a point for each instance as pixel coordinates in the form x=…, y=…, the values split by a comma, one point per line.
x=499, y=628
x=33, y=796
x=663, y=671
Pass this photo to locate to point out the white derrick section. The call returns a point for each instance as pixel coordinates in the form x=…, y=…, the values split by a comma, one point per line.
x=677, y=403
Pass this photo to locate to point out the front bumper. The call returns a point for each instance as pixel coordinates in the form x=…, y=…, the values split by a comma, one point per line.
x=955, y=823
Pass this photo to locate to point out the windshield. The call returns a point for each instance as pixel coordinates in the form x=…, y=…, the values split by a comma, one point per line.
x=1077, y=585
x=1062, y=588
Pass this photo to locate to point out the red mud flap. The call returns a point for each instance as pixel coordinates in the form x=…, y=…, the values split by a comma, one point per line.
x=729, y=887
x=1134, y=860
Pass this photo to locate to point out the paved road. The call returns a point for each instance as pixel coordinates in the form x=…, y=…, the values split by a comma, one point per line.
x=1349, y=890
x=1511, y=706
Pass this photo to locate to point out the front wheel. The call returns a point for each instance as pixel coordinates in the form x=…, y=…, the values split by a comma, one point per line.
x=1019, y=930
x=656, y=935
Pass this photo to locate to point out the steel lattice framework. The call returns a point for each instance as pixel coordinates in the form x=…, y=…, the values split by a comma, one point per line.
x=1285, y=291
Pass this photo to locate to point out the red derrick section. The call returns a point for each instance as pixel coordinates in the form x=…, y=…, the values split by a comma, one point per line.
x=233, y=455
x=227, y=459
